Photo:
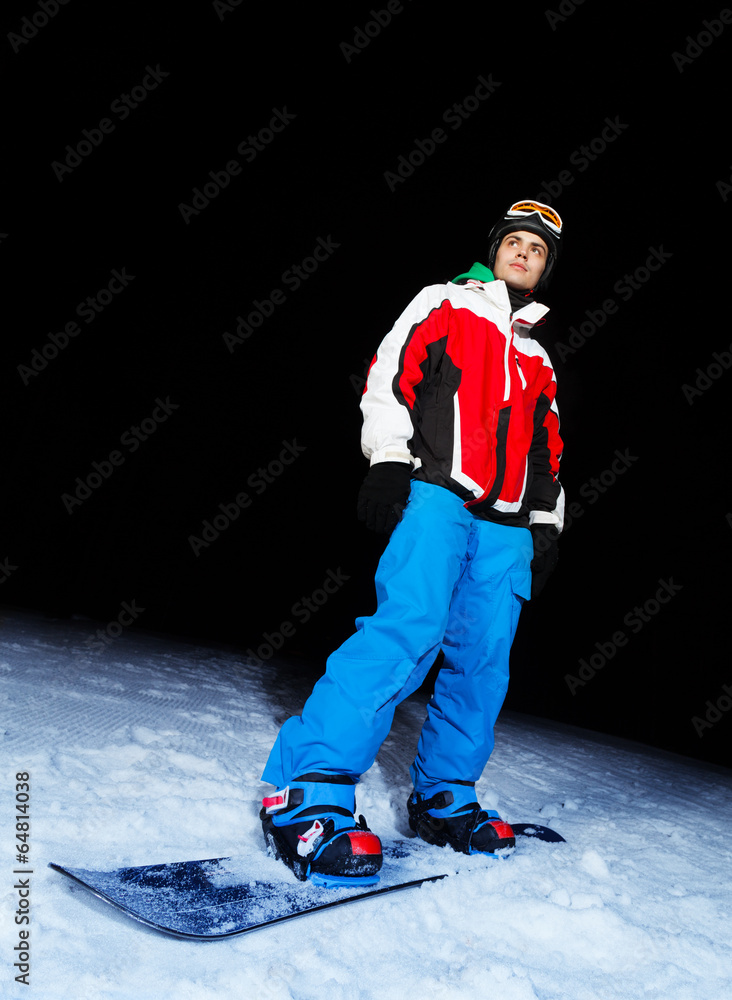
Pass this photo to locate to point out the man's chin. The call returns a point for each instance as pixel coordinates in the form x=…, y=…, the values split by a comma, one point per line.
x=515, y=284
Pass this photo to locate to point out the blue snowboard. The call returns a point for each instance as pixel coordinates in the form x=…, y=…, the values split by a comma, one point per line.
x=217, y=898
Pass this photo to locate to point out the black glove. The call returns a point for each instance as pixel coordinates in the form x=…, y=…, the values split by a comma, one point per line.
x=546, y=554
x=383, y=495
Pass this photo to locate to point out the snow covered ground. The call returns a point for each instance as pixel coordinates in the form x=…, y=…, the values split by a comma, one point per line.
x=142, y=750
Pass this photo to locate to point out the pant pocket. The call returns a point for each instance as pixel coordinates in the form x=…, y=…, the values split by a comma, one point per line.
x=521, y=584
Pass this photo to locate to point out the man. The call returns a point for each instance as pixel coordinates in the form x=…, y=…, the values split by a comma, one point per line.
x=462, y=432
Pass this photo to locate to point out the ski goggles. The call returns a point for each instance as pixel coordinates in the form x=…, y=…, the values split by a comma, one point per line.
x=551, y=218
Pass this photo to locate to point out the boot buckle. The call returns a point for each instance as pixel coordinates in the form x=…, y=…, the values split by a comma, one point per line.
x=273, y=803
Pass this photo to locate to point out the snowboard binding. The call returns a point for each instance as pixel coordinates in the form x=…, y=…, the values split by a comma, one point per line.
x=310, y=826
x=468, y=829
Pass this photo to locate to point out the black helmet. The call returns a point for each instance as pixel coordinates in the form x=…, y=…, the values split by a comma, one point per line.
x=533, y=217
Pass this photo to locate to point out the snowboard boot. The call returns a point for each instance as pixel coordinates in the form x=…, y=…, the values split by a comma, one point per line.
x=441, y=820
x=310, y=825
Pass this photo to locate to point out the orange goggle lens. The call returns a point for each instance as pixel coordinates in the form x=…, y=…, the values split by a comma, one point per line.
x=527, y=207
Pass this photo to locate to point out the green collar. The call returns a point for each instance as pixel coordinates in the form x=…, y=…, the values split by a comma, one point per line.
x=478, y=271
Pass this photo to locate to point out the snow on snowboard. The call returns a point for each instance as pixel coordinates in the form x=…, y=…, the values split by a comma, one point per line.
x=217, y=898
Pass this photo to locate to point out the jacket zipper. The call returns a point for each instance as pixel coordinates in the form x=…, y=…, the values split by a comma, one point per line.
x=521, y=374
x=506, y=369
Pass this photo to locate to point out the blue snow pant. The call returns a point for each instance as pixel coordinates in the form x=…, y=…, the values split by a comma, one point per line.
x=445, y=580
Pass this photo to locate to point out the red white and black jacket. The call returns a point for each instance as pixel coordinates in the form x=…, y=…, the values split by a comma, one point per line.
x=461, y=390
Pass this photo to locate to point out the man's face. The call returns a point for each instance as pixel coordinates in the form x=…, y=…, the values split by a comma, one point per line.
x=520, y=260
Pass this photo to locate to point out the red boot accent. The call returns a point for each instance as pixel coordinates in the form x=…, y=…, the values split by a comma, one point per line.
x=503, y=830
x=364, y=842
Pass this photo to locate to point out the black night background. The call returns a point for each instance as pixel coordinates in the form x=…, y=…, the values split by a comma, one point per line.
x=212, y=215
